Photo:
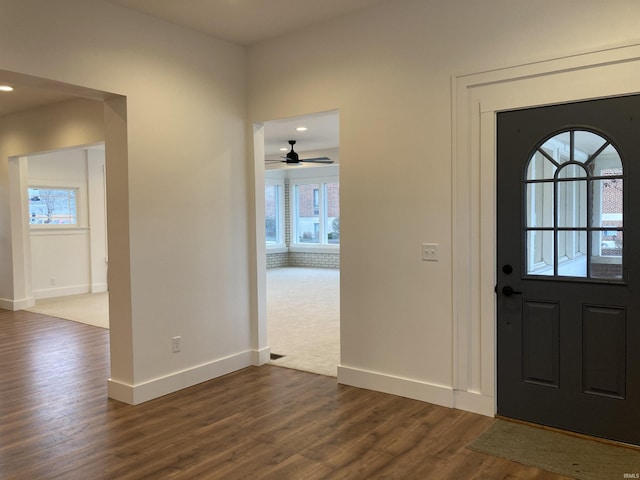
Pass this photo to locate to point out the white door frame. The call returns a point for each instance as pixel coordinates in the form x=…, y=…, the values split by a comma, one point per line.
x=260, y=348
x=476, y=98
x=20, y=237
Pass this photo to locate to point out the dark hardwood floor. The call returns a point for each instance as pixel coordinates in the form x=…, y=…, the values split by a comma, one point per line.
x=262, y=422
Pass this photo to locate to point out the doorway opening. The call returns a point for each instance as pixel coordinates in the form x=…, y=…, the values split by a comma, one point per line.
x=66, y=200
x=301, y=218
x=46, y=116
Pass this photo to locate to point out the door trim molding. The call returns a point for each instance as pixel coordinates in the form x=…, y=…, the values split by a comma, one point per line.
x=476, y=98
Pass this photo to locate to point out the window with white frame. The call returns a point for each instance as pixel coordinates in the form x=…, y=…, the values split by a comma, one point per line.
x=315, y=212
x=274, y=212
x=53, y=206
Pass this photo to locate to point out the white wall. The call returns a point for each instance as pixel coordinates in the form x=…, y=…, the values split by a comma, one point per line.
x=70, y=260
x=177, y=190
x=389, y=70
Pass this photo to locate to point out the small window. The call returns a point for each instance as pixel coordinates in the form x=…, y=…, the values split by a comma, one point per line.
x=317, y=213
x=53, y=206
x=273, y=213
x=332, y=216
x=307, y=219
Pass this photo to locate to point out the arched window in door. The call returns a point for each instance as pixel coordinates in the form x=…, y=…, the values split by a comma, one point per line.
x=574, y=199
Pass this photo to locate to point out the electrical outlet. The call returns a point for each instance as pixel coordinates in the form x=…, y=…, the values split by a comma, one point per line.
x=430, y=252
x=176, y=343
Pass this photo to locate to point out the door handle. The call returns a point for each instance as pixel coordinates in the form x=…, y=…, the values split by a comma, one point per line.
x=508, y=290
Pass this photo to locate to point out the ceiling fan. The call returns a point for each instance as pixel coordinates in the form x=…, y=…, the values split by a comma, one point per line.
x=293, y=158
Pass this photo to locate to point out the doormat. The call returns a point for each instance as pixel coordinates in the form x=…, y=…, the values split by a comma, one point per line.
x=557, y=452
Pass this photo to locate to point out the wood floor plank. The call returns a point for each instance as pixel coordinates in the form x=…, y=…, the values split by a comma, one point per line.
x=56, y=422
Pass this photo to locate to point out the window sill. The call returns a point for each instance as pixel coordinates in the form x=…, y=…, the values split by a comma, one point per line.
x=58, y=230
x=276, y=249
x=314, y=248
x=607, y=260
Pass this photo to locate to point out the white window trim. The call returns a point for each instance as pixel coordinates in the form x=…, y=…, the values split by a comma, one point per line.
x=280, y=246
x=296, y=246
x=44, y=230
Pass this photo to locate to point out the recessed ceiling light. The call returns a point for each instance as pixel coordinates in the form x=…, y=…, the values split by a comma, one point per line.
x=302, y=129
x=6, y=88
x=284, y=149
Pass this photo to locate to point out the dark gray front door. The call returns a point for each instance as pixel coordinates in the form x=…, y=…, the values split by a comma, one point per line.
x=568, y=292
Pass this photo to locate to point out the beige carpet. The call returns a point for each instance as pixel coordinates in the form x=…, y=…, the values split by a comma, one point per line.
x=90, y=308
x=303, y=318
x=557, y=452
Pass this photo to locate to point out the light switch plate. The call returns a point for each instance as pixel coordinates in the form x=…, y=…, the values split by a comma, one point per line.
x=430, y=252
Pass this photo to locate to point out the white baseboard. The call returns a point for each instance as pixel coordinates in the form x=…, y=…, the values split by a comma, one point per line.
x=15, y=305
x=99, y=288
x=404, y=387
x=261, y=357
x=475, y=403
x=60, y=291
x=427, y=392
x=145, y=391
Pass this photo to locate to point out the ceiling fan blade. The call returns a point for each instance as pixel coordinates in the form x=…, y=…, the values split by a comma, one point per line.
x=317, y=160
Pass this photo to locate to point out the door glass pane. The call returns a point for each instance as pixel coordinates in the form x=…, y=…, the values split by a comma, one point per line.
x=606, y=208
x=607, y=163
x=606, y=257
x=558, y=147
x=586, y=144
x=572, y=257
x=572, y=204
x=540, y=253
x=572, y=170
x=540, y=205
x=540, y=167
x=307, y=213
x=607, y=243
